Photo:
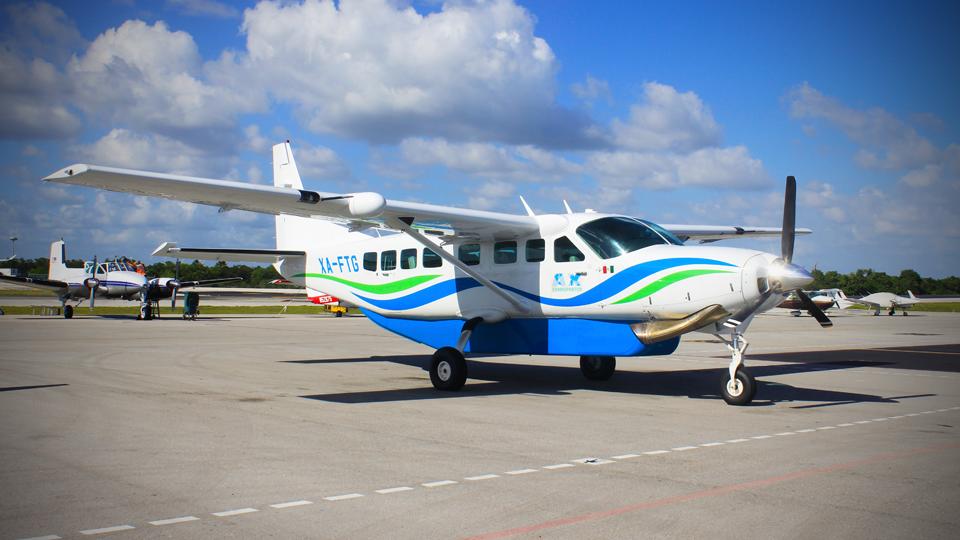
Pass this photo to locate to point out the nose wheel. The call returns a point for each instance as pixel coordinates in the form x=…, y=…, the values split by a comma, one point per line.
x=737, y=385
x=738, y=390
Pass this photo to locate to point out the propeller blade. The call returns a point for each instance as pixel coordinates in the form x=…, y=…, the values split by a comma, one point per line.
x=789, y=219
x=814, y=310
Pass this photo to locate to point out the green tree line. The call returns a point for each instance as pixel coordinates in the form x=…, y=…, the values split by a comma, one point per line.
x=867, y=281
x=860, y=282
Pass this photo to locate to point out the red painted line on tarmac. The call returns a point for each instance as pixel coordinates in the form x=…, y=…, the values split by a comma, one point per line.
x=712, y=492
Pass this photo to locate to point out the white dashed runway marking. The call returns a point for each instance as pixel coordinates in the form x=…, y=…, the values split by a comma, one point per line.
x=105, y=530
x=291, y=504
x=237, y=512
x=171, y=521
x=515, y=472
x=394, y=490
x=439, y=483
x=346, y=497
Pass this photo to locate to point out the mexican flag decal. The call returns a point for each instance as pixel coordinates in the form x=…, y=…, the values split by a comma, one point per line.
x=606, y=269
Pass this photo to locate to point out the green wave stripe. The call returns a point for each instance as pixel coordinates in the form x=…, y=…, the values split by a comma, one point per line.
x=378, y=288
x=666, y=281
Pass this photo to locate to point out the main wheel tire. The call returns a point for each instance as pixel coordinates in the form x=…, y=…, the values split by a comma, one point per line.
x=448, y=369
x=738, y=392
x=598, y=368
x=67, y=312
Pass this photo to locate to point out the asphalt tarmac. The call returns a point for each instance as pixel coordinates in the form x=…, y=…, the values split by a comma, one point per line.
x=316, y=427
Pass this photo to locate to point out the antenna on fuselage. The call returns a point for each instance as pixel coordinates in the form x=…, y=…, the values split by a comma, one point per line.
x=567, y=206
x=527, y=207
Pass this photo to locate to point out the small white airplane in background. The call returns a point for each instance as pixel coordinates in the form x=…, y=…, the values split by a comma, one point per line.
x=580, y=284
x=109, y=279
x=889, y=301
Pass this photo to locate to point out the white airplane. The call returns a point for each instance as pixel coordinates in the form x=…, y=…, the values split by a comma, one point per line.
x=889, y=301
x=581, y=284
x=110, y=279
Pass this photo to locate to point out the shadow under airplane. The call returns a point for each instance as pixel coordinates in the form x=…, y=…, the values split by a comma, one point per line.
x=493, y=378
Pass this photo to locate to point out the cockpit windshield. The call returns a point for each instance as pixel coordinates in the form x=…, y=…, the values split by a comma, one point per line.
x=611, y=237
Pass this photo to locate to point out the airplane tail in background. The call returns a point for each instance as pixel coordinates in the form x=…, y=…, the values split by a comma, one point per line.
x=842, y=301
x=58, y=257
x=910, y=294
x=295, y=232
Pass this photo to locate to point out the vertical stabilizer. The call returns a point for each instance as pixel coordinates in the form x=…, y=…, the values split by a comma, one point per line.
x=58, y=258
x=295, y=232
x=285, y=172
x=911, y=294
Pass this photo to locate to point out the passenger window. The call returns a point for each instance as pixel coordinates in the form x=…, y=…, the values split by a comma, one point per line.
x=505, y=252
x=536, y=250
x=408, y=259
x=431, y=259
x=469, y=254
x=565, y=251
x=388, y=260
x=370, y=261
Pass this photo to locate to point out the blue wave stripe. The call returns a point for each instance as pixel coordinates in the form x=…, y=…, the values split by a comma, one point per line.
x=423, y=296
x=614, y=285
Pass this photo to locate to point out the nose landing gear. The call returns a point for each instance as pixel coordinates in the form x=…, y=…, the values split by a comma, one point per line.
x=737, y=385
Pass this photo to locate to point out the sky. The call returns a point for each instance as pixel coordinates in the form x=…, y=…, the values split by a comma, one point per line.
x=677, y=112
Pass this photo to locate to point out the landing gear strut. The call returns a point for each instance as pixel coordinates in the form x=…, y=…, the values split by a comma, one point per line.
x=737, y=385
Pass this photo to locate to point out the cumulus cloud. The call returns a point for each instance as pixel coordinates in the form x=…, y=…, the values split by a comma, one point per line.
x=491, y=195
x=667, y=120
x=592, y=89
x=316, y=163
x=886, y=142
x=132, y=150
x=731, y=167
x=522, y=163
x=151, y=78
x=204, y=8
x=36, y=37
x=469, y=71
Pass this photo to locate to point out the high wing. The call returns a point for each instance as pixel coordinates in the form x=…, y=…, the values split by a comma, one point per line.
x=171, y=249
x=230, y=195
x=712, y=233
x=45, y=284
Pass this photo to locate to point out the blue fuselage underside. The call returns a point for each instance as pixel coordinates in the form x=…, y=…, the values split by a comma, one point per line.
x=568, y=337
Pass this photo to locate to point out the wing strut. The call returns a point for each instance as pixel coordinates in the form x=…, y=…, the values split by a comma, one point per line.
x=405, y=224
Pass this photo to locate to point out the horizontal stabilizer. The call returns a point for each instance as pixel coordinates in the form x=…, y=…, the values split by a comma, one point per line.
x=171, y=250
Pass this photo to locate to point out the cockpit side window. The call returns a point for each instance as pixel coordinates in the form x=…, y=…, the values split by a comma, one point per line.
x=564, y=250
x=611, y=237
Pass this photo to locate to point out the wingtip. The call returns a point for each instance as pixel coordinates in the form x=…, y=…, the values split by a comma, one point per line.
x=67, y=172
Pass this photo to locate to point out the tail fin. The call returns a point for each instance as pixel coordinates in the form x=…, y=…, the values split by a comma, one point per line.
x=910, y=293
x=58, y=258
x=295, y=232
x=285, y=172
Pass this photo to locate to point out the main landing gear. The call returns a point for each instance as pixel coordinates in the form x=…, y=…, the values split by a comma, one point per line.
x=598, y=368
x=737, y=385
x=448, y=367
